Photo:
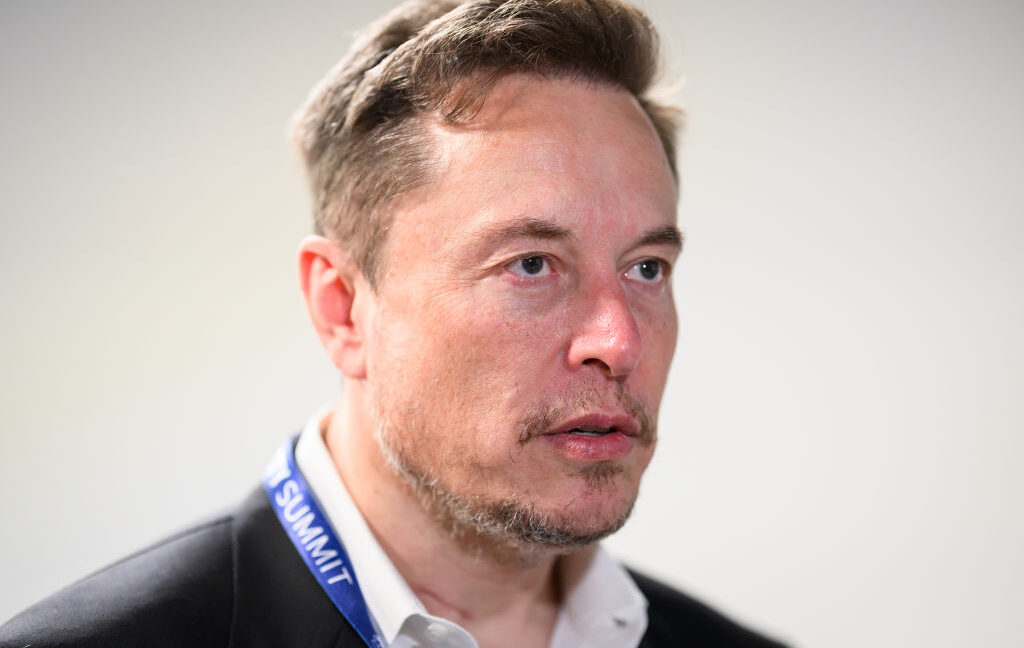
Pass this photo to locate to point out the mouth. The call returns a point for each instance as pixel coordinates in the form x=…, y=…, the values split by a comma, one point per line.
x=592, y=431
x=598, y=425
x=595, y=437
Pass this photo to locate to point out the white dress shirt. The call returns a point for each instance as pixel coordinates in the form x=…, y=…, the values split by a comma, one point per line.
x=605, y=609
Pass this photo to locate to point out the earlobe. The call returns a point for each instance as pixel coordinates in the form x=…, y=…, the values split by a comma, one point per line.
x=330, y=281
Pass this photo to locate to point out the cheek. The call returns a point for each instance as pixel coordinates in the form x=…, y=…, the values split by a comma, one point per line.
x=464, y=355
x=659, y=334
x=664, y=333
x=493, y=352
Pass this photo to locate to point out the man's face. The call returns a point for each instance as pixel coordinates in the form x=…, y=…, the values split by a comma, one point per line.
x=523, y=327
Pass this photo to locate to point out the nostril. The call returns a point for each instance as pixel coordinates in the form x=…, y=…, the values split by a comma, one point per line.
x=599, y=364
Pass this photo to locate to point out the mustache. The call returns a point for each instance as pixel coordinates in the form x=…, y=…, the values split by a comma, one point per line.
x=578, y=401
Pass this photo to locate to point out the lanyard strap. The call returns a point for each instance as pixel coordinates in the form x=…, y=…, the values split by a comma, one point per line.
x=315, y=540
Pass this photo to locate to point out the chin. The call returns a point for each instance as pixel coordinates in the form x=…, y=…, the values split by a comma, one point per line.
x=574, y=517
x=564, y=528
x=576, y=510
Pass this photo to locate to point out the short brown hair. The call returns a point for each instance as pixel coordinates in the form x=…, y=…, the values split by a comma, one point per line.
x=360, y=133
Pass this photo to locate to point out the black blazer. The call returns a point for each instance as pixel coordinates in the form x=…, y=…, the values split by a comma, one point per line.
x=237, y=581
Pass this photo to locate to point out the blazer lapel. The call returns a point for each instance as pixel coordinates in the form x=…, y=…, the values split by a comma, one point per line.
x=277, y=601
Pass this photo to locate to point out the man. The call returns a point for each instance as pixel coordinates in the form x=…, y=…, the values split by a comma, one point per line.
x=495, y=204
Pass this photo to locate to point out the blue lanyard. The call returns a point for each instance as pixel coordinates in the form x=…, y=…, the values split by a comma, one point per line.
x=315, y=540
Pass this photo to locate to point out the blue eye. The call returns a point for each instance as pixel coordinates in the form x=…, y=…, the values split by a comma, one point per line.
x=647, y=271
x=532, y=266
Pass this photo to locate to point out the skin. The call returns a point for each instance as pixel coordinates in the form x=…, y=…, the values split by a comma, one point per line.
x=527, y=285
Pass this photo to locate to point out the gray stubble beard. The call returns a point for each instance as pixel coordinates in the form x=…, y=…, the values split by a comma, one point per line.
x=510, y=529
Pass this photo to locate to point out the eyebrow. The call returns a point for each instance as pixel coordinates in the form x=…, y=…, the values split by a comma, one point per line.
x=526, y=227
x=668, y=235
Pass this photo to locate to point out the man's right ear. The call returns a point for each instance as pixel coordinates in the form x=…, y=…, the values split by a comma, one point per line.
x=335, y=293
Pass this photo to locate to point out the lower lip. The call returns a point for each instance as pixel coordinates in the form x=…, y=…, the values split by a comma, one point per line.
x=591, y=448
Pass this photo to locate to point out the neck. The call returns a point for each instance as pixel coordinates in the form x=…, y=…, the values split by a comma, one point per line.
x=469, y=580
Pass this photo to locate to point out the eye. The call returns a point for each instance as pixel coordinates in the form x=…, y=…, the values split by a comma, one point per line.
x=531, y=266
x=647, y=271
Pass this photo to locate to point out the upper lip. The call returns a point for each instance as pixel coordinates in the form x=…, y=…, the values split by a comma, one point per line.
x=621, y=422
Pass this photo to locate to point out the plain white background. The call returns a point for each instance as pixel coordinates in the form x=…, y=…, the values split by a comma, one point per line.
x=841, y=455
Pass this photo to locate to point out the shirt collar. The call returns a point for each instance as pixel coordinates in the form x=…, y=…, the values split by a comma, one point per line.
x=602, y=605
x=390, y=601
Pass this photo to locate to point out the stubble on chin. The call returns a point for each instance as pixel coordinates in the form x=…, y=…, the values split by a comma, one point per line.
x=511, y=529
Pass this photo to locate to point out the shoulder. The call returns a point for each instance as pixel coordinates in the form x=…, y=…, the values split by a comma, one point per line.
x=176, y=592
x=674, y=617
x=235, y=580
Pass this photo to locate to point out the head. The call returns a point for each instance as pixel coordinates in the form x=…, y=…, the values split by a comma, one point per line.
x=496, y=195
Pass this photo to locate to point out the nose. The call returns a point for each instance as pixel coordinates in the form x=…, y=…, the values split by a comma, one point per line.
x=606, y=334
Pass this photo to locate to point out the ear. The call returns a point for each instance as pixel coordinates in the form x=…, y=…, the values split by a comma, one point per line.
x=331, y=284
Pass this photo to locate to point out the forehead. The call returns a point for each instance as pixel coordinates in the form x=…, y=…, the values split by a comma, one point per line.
x=581, y=154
